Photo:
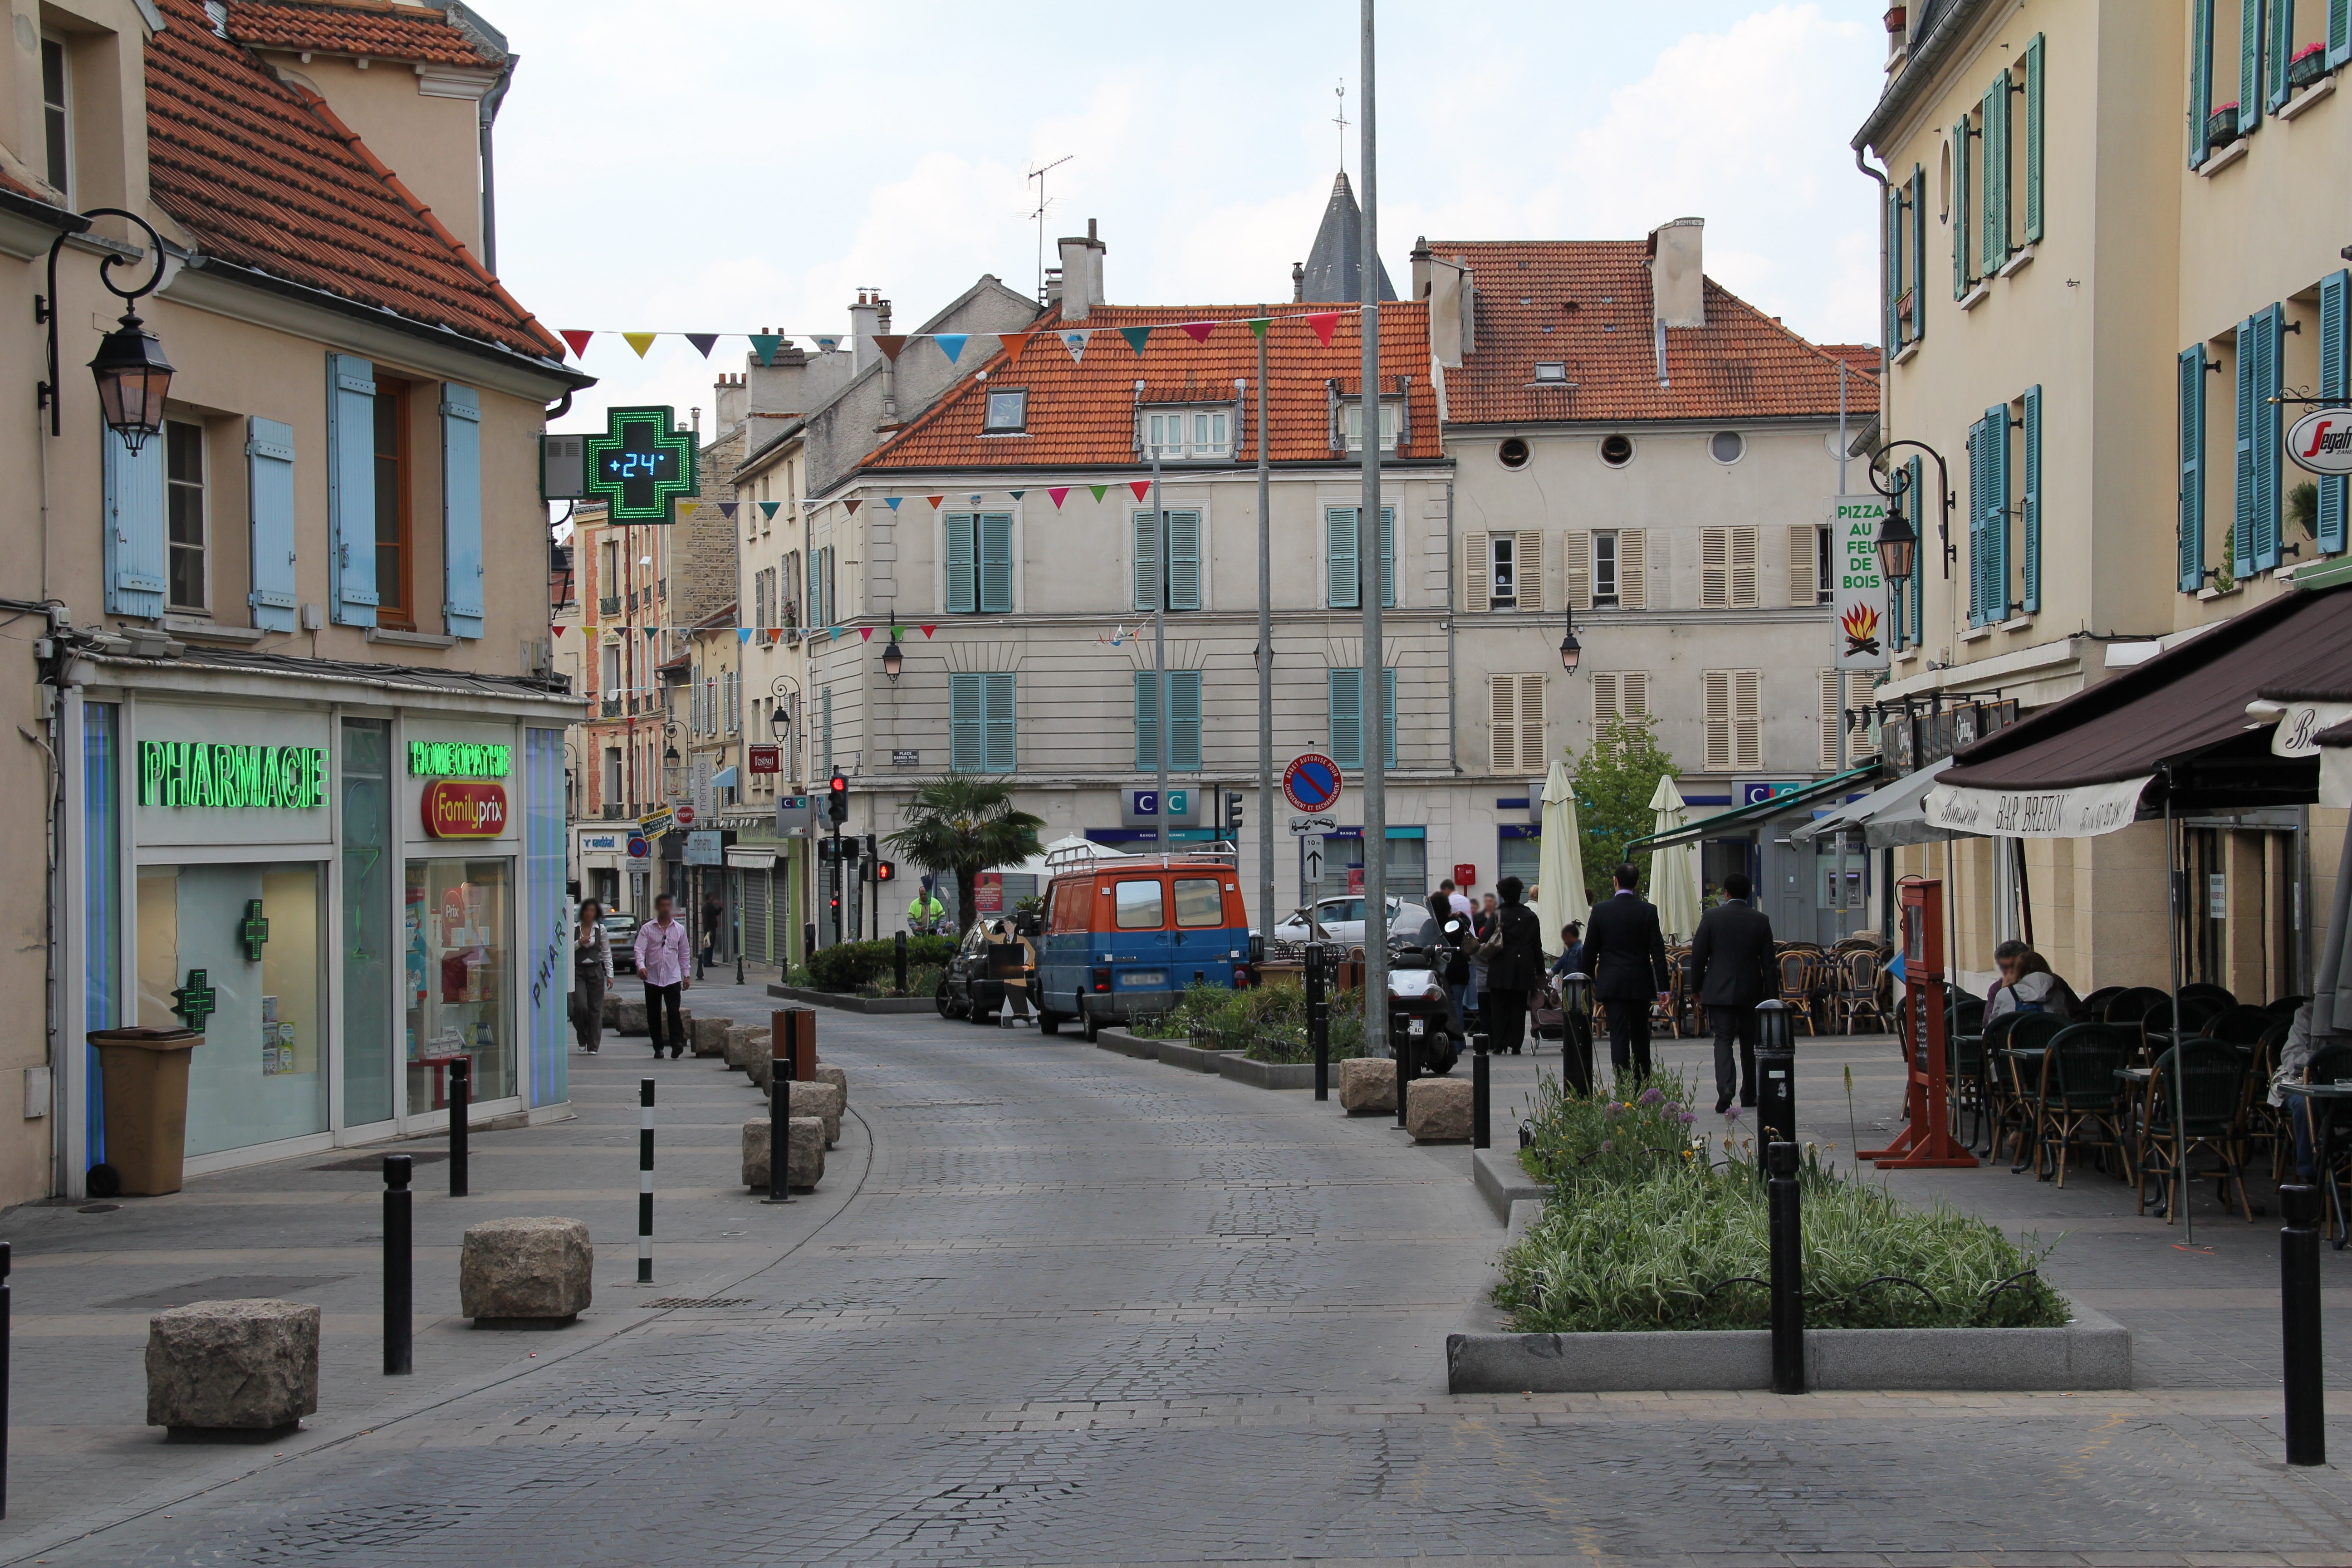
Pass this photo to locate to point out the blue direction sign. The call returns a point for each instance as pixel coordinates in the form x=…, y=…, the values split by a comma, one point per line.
x=1311, y=782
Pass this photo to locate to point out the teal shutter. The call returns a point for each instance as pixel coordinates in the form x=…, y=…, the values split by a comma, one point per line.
x=1997, y=572
x=1962, y=204
x=1918, y=252
x=1918, y=621
x=1388, y=719
x=2029, y=498
x=999, y=741
x=2033, y=88
x=1992, y=209
x=1147, y=721
x=2269, y=323
x=2201, y=77
x=1183, y=560
x=269, y=498
x=1144, y=528
x=2339, y=32
x=1184, y=720
x=2281, y=49
x=350, y=490
x=2191, y=523
x=816, y=617
x=2334, y=382
x=135, y=527
x=963, y=557
x=996, y=563
x=1347, y=688
x=1893, y=268
x=1340, y=552
x=966, y=732
x=2250, y=66
x=2241, y=525
x=462, y=608
x=1977, y=486
x=1388, y=558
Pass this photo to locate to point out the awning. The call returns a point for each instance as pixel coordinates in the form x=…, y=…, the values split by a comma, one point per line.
x=726, y=778
x=1886, y=817
x=1757, y=812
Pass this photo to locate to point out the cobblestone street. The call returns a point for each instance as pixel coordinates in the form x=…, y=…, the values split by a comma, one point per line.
x=1053, y=1306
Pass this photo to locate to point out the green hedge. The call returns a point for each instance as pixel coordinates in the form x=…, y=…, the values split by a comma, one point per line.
x=855, y=963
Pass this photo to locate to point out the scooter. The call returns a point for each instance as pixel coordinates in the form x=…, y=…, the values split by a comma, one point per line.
x=1420, y=1011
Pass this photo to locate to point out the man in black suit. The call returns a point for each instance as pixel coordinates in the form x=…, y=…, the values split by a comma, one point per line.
x=1625, y=953
x=1731, y=963
x=1513, y=968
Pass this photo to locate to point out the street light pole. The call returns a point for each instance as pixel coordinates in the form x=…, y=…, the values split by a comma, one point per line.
x=1160, y=715
x=1265, y=669
x=1369, y=684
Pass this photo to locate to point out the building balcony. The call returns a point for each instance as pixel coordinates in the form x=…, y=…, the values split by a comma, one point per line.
x=612, y=708
x=609, y=606
x=612, y=812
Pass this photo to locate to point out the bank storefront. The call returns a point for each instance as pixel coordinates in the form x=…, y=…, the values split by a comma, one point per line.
x=346, y=879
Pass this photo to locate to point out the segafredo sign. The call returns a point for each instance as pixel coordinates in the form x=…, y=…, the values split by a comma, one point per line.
x=2321, y=441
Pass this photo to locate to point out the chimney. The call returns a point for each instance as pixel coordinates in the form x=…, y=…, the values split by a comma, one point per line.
x=1298, y=282
x=889, y=368
x=1677, y=274
x=1082, y=274
x=771, y=389
x=1053, y=300
x=731, y=400
x=864, y=319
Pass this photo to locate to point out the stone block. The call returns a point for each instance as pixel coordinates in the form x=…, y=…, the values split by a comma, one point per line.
x=806, y=1154
x=762, y=1068
x=1368, y=1084
x=535, y=1269
x=613, y=1008
x=744, y=1044
x=821, y=1100
x=709, y=1036
x=249, y=1365
x=629, y=1018
x=1437, y=1110
x=828, y=1073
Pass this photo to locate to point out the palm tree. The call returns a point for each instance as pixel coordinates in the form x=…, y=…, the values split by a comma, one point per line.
x=961, y=826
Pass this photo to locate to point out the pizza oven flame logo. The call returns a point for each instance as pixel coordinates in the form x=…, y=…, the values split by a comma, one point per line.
x=1860, y=624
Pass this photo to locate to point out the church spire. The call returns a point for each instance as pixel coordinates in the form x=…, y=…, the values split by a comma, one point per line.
x=1334, y=266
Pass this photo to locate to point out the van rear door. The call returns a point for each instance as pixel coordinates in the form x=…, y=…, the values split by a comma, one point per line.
x=1204, y=941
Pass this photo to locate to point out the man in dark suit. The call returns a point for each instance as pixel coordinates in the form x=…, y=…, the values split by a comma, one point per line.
x=1513, y=968
x=1625, y=953
x=1731, y=963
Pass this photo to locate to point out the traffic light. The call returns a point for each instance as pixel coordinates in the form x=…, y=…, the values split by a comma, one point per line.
x=871, y=853
x=849, y=850
x=885, y=871
x=836, y=800
x=1233, y=810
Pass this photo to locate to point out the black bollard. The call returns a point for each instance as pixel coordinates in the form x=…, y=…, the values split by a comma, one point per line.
x=1481, y=1127
x=898, y=961
x=461, y=1099
x=644, y=1181
x=7, y=1308
x=1318, y=1018
x=399, y=1272
x=1401, y=1049
x=1776, y=1070
x=1787, y=1269
x=1576, y=1031
x=2307, y=1398
x=779, y=1123
x=808, y=938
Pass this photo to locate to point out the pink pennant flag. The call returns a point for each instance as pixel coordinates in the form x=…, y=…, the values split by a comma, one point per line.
x=579, y=341
x=1140, y=486
x=1197, y=331
x=1058, y=492
x=1324, y=322
x=866, y=634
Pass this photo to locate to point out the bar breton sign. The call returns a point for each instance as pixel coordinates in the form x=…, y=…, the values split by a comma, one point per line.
x=203, y=774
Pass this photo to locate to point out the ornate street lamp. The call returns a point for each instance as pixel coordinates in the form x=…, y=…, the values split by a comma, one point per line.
x=1898, y=546
x=1889, y=533
x=1572, y=652
x=894, y=659
x=132, y=375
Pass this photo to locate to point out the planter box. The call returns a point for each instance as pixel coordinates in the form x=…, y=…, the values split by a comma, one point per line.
x=1129, y=1045
x=2094, y=1351
x=2307, y=69
x=853, y=1003
x=1197, y=1058
x=2221, y=128
x=1503, y=1181
x=1270, y=1075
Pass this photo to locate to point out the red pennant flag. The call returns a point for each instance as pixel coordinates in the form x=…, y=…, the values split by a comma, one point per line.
x=935, y=501
x=927, y=632
x=560, y=630
x=1057, y=492
x=890, y=343
x=1140, y=486
x=579, y=341
x=1197, y=331
x=1324, y=322
x=853, y=506
x=866, y=634
x=1013, y=344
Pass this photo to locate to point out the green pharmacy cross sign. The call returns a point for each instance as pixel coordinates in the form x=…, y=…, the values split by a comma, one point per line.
x=640, y=466
x=254, y=931
x=194, y=1002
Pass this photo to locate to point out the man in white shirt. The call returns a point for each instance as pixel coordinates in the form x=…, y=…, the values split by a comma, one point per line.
x=666, y=963
x=1459, y=901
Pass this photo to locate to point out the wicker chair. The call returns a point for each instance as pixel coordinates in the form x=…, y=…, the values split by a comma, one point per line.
x=2195, y=1100
x=2095, y=1007
x=2208, y=992
x=1796, y=968
x=2082, y=1101
x=2020, y=1088
x=1861, y=981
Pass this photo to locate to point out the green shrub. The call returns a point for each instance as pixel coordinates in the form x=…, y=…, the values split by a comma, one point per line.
x=1264, y=1023
x=1580, y=1142
x=851, y=964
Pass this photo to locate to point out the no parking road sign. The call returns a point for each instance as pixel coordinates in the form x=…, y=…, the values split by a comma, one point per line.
x=1311, y=782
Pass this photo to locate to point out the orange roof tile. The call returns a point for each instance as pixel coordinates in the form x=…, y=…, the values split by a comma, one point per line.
x=263, y=174
x=365, y=28
x=1585, y=304
x=1081, y=414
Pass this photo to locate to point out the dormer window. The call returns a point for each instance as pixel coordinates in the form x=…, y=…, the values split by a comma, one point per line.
x=1551, y=371
x=1008, y=413
x=1188, y=435
x=1351, y=414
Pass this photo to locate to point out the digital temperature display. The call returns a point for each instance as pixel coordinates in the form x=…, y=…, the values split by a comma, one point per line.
x=641, y=465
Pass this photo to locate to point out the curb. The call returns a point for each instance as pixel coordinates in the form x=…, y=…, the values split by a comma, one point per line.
x=852, y=1004
x=1127, y=1044
x=1193, y=1058
x=1266, y=1075
x=1502, y=1181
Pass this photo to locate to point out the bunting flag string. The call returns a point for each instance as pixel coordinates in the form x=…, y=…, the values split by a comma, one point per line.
x=640, y=341
x=1136, y=337
x=765, y=345
x=1140, y=486
x=951, y=344
x=703, y=342
x=1057, y=492
x=768, y=509
x=1075, y=341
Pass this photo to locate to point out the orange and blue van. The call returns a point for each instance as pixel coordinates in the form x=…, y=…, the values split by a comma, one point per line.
x=1125, y=939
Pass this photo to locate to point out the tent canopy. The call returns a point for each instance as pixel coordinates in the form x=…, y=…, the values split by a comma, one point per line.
x=1886, y=817
x=1757, y=812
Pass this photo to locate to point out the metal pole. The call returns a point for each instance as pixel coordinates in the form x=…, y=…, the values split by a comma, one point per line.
x=399, y=1271
x=461, y=1096
x=1264, y=665
x=1318, y=1016
x=2306, y=1394
x=1781, y=1200
x=898, y=963
x=1374, y=728
x=735, y=882
x=7, y=1310
x=2177, y=908
x=1481, y=1122
x=644, y=1181
x=1162, y=717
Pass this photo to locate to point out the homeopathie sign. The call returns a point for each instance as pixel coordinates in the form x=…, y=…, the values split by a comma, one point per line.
x=203, y=774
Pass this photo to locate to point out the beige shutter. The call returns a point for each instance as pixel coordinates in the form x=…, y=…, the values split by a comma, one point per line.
x=1714, y=568
x=1714, y=716
x=1531, y=571
x=1633, y=569
x=1633, y=693
x=1576, y=545
x=1531, y=722
x=1743, y=568
x=1747, y=716
x=1804, y=566
x=1858, y=699
x=1475, y=565
x=1832, y=719
x=1605, y=699
x=1503, y=724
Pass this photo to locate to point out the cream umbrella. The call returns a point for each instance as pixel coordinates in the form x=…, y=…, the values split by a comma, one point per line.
x=1673, y=872
x=1560, y=879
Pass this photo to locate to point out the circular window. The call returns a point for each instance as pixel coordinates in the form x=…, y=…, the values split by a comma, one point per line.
x=1512, y=453
x=1616, y=450
x=1726, y=446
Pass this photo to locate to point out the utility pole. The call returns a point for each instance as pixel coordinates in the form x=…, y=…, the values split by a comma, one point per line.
x=1160, y=715
x=1375, y=727
x=1264, y=672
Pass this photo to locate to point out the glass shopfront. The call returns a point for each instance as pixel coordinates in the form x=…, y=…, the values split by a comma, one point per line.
x=458, y=985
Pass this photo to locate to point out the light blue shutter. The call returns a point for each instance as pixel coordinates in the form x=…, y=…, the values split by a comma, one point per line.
x=2335, y=382
x=1918, y=252
x=2029, y=498
x=2242, y=528
x=2269, y=323
x=135, y=527
x=1347, y=687
x=1962, y=197
x=2250, y=66
x=1918, y=621
x=996, y=563
x=1997, y=576
x=1183, y=560
x=2201, y=77
x=269, y=496
x=461, y=509
x=813, y=609
x=1977, y=462
x=350, y=490
x=965, y=731
x=2339, y=32
x=998, y=743
x=1144, y=528
x=1893, y=265
x=1147, y=721
x=2191, y=523
x=1388, y=558
x=2281, y=49
x=1992, y=211
x=2034, y=89
x=825, y=726
x=1339, y=534
x=1184, y=720
x=1388, y=718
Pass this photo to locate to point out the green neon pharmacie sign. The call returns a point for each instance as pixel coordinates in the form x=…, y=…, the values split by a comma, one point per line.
x=200, y=773
x=457, y=759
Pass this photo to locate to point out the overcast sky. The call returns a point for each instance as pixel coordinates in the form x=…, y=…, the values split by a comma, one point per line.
x=730, y=165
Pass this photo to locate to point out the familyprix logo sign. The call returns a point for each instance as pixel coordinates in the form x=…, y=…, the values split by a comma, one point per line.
x=464, y=809
x=2321, y=441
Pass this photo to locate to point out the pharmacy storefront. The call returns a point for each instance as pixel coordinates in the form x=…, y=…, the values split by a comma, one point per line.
x=346, y=882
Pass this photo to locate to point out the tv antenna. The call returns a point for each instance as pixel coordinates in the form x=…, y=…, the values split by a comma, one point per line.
x=1340, y=120
x=1038, y=175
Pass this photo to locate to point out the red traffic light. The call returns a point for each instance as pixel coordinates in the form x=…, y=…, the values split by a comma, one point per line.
x=885, y=871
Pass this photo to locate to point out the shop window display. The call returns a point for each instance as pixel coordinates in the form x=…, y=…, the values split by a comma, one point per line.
x=457, y=979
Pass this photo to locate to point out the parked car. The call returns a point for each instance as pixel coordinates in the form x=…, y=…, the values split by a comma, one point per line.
x=621, y=931
x=1125, y=940
x=965, y=989
x=1342, y=920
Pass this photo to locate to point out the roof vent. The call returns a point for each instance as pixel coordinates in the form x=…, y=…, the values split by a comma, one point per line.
x=216, y=12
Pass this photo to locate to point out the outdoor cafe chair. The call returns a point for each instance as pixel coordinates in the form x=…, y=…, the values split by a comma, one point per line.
x=2195, y=1097
x=2284, y=1006
x=2196, y=1013
x=2329, y=1063
x=2083, y=1102
x=2023, y=1063
x=1860, y=974
x=1980, y=1075
x=2211, y=992
x=2239, y=1026
x=2133, y=1004
x=1796, y=967
x=2095, y=1007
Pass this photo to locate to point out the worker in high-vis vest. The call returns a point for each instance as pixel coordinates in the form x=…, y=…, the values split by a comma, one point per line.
x=925, y=915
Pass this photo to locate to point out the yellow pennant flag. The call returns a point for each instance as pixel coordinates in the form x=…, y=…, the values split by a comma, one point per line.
x=640, y=341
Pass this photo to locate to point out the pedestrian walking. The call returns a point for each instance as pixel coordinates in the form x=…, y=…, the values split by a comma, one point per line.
x=1732, y=967
x=714, y=916
x=1625, y=953
x=666, y=963
x=592, y=975
x=1513, y=968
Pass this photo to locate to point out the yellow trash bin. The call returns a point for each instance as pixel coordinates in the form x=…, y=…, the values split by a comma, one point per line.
x=144, y=1075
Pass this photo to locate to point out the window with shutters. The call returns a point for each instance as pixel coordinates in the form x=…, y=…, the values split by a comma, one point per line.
x=1726, y=568
x=394, y=546
x=1193, y=434
x=1604, y=568
x=56, y=114
x=2029, y=170
x=1989, y=582
x=2335, y=382
x=2255, y=544
x=1731, y=721
x=1619, y=696
x=1805, y=555
x=1502, y=572
x=978, y=549
x=1346, y=690
x=1844, y=716
x=184, y=510
x=981, y=727
x=1992, y=188
x=1902, y=303
x=1906, y=600
x=789, y=586
x=1180, y=587
x=1506, y=571
x=825, y=722
x=2029, y=501
x=2189, y=518
x=1184, y=732
x=1964, y=140
x=1514, y=713
x=1343, y=565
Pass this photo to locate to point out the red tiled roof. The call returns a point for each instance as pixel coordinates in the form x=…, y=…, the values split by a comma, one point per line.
x=1863, y=357
x=1081, y=414
x=1587, y=303
x=26, y=188
x=366, y=28
x=263, y=174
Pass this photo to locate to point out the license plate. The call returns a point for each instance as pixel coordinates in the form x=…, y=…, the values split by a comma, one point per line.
x=1145, y=977
x=1413, y=1026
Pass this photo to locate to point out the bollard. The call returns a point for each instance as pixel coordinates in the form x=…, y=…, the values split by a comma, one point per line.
x=1776, y=1072
x=808, y=938
x=644, y=1181
x=1576, y=1031
x=399, y=1273
x=461, y=1099
x=2307, y=1398
x=1318, y=1018
x=1481, y=1128
x=7, y=1308
x=898, y=961
x=780, y=1107
x=1787, y=1269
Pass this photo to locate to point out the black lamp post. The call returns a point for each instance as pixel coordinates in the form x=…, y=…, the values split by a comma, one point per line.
x=1888, y=533
x=132, y=375
x=894, y=659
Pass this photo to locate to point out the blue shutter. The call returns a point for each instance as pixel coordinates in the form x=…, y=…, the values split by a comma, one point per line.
x=2030, y=499
x=135, y=527
x=1388, y=558
x=2241, y=529
x=2201, y=77
x=996, y=563
x=2190, y=524
x=1977, y=488
x=350, y=490
x=2334, y=382
x=1893, y=267
x=1347, y=687
x=1184, y=720
x=1147, y=721
x=1962, y=196
x=2250, y=66
x=1992, y=210
x=1339, y=536
x=1918, y=621
x=461, y=509
x=1918, y=252
x=1997, y=573
x=2269, y=323
x=1000, y=732
x=965, y=731
x=269, y=495
x=1388, y=718
x=2033, y=94
x=2281, y=48
x=1144, y=530
x=2339, y=32
x=1183, y=560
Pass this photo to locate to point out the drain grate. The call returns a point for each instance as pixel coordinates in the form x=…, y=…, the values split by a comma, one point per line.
x=699, y=1301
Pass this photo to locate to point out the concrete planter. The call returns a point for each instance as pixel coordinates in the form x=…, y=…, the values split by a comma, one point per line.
x=1129, y=1045
x=1503, y=1181
x=853, y=1004
x=1268, y=1075
x=1194, y=1059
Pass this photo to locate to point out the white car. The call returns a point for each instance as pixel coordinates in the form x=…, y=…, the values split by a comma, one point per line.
x=1342, y=920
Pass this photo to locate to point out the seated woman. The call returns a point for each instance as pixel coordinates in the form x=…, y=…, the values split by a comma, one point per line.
x=2026, y=984
x=1572, y=950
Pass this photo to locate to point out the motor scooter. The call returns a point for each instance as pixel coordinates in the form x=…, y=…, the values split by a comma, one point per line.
x=1421, y=1010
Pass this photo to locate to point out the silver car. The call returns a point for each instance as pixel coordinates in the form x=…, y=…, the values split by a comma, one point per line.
x=621, y=932
x=1342, y=920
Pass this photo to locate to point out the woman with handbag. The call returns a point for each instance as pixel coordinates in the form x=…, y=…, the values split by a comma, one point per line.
x=592, y=972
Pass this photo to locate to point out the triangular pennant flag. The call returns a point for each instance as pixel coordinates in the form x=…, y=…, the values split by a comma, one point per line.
x=951, y=345
x=927, y=632
x=703, y=342
x=866, y=634
x=1013, y=344
x=1140, y=486
x=854, y=505
x=897, y=632
x=975, y=498
x=640, y=341
x=765, y=345
x=1136, y=337
x=579, y=341
x=687, y=508
x=827, y=345
x=890, y=343
x=1323, y=321
x=1258, y=325
x=1197, y=331
x=935, y=501
x=1057, y=492
x=560, y=630
x=1100, y=491
x=742, y=634
x=892, y=501
x=775, y=635
x=651, y=632
x=1075, y=339
x=726, y=510
x=1016, y=494
x=768, y=509
x=835, y=632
